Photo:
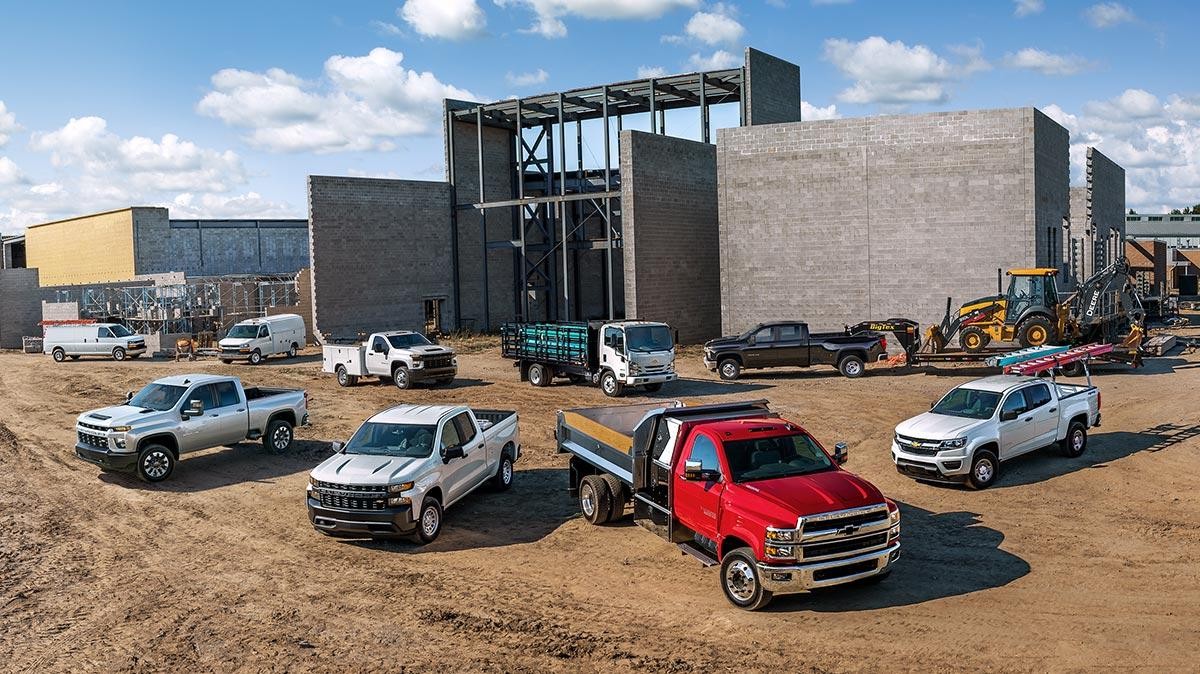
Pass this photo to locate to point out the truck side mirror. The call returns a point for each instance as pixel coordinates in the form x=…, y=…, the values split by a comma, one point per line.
x=932, y=404
x=751, y=341
x=840, y=454
x=337, y=447
x=195, y=408
x=1008, y=415
x=128, y=396
x=692, y=470
x=455, y=452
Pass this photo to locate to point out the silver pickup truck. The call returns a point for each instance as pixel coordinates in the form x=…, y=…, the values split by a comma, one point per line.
x=405, y=465
x=186, y=413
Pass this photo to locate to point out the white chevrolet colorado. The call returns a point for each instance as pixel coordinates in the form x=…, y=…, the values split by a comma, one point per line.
x=404, y=466
x=973, y=428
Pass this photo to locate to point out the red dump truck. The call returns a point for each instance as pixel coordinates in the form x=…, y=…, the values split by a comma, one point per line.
x=736, y=485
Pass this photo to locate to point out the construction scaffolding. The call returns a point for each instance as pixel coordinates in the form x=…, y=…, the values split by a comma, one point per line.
x=558, y=214
x=202, y=304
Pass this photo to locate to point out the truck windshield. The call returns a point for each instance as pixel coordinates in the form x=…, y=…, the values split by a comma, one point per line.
x=969, y=403
x=647, y=338
x=406, y=341
x=158, y=397
x=121, y=331
x=768, y=458
x=243, y=332
x=401, y=440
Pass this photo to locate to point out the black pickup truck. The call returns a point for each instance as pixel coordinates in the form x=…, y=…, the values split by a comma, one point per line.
x=789, y=344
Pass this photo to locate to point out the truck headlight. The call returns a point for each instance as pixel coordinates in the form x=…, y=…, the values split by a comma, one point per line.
x=313, y=482
x=779, y=551
x=781, y=535
x=121, y=429
x=418, y=363
x=957, y=443
x=397, y=488
x=634, y=368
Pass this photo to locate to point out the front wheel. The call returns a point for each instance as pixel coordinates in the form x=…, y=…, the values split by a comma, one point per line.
x=155, y=463
x=279, y=436
x=118, y=354
x=401, y=379
x=974, y=340
x=430, y=523
x=255, y=357
x=851, y=367
x=59, y=355
x=729, y=369
x=612, y=387
x=984, y=468
x=1075, y=442
x=741, y=582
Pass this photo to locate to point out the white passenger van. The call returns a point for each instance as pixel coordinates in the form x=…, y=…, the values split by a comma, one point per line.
x=92, y=339
x=258, y=338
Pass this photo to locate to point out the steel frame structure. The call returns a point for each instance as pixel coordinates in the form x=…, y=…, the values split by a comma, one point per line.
x=557, y=214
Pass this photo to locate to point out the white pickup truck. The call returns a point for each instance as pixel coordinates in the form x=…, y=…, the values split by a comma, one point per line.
x=965, y=436
x=402, y=356
x=186, y=413
x=404, y=466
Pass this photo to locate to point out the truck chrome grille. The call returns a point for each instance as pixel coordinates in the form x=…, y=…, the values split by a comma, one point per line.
x=844, y=533
x=351, y=496
x=97, y=441
x=918, y=446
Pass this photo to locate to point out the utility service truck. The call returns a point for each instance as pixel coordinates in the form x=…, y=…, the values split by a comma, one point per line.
x=404, y=466
x=256, y=338
x=736, y=485
x=186, y=413
x=614, y=355
x=402, y=356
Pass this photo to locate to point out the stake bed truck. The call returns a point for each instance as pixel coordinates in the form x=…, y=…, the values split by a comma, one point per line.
x=733, y=484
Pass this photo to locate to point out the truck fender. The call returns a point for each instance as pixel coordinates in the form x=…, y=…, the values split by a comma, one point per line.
x=287, y=415
x=165, y=439
x=992, y=446
x=1082, y=418
x=739, y=538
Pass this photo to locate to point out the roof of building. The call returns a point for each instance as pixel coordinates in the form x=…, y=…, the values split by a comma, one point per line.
x=1162, y=225
x=1140, y=253
x=426, y=415
x=87, y=215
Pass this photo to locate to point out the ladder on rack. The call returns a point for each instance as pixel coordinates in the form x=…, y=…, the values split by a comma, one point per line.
x=1041, y=364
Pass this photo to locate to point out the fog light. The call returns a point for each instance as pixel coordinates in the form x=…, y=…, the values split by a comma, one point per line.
x=781, y=577
x=400, y=501
x=119, y=442
x=952, y=465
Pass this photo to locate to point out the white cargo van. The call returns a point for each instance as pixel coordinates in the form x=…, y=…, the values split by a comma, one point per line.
x=92, y=339
x=258, y=338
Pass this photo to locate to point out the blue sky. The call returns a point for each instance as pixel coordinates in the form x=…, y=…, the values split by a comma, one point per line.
x=220, y=109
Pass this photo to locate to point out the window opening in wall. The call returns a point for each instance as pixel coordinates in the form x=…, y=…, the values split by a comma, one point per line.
x=433, y=316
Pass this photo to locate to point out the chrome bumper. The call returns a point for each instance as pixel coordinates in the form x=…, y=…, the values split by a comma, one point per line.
x=805, y=577
x=936, y=468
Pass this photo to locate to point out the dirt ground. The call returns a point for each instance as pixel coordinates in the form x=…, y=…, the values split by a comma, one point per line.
x=1063, y=565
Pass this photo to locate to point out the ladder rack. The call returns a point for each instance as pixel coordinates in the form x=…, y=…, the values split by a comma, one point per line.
x=1050, y=362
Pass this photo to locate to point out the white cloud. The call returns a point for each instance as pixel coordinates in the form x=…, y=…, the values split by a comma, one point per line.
x=10, y=173
x=1157, y=144
x=446, y=19
x=718, y=60
x=1108, y=14
x=527, y=79
x=810, y=112
x=388, y=29
x=715, y=27
x=646, y=72
x=8, y=124
x=548, y=14
x=248, y=205
x=1047, y=63
x=893, y=73
x=362, y=103
x=1028, y=7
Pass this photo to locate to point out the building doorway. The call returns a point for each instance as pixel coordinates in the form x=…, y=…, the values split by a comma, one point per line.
x=433, y=316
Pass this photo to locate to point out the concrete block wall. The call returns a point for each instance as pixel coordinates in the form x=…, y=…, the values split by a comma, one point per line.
x=1106, y=194
x=1078, y=254
x=669, y=219
x=1051, y=189
x=152, y=242
x=839, y=221
x=20, y=306
x=379, y=248
x=772, y=89
x=222, y=247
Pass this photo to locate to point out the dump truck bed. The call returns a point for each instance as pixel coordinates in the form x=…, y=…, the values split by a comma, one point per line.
x=603, y=436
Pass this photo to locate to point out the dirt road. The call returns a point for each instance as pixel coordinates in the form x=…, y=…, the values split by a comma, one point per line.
x=1063, y=565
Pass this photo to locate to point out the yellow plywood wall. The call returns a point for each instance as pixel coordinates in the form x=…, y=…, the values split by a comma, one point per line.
x=89, y=249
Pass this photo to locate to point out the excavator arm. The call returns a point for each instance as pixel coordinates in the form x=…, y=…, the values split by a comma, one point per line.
x=1107, y=308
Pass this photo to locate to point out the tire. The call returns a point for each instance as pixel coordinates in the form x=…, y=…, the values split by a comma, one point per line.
x=429, y=524
x=595, y=499
x=1034, y=331
x=851, y=367
x=401, y=379
x=653, y=388
x=729, y=369
x=1073, y=369
x=1075, y=443
x=279, y=436
x=611, y=386
x=616, y=509
x=58, y=355
x=503, y=478
x=984, y=469
x=740, y=580
x=974, y=340
x=344, y=378
x=155, y=463
x=539, y=375
x=256, y=357
x=118, y=354
x=226, y=361
x=293, y=351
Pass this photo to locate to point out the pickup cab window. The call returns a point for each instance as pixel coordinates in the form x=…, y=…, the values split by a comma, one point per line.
x=1037, y=395
x=1015, y=403
x=450, y=436
x=158, y=397
x=968, y=403
x=379, y=346
x=764, y=336
x=780, y=456
x=789, y=333
x=206, y=394
x=227, y=394
x=704, y=450
x=465, y=428
x=407, y=341
x=400, y=440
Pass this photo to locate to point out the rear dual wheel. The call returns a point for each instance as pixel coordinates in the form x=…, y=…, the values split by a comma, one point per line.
x=601, y=498
x=540, y=375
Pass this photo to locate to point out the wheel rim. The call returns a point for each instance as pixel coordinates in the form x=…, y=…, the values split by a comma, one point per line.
x=342, y=377
x=254, y=358
x=401, y=378
x=59, y=356
x=535, y=376
x=292, y=352
x=118, y=355
x=1037, y=336
x=853, y=368
x=429, y=521
x=729, y=370
x=972, y=341
x=1077, y=441
x=610, y=384
x=506, y=471
x=587, y=500
x=740, y=580
x=282, y=437
x=984, y=471
x=155, y=464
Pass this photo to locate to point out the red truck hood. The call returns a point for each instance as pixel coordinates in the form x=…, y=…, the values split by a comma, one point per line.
x=782, y=500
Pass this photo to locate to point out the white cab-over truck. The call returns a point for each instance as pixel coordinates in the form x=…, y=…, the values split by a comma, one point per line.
x=257, y=338
x=966, y=435
x=404, y=466
x=402, y=356
x=186, y=413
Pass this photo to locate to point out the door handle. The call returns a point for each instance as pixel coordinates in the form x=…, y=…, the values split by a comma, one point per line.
x=1028, y=419
x=1053, y=409
x=241, y=410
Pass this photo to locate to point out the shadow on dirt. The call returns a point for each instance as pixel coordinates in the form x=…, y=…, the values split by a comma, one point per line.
x=698, y=387
x=457, y=383
x=942, y=555
x=1102, y=448
x=531, y=509
x=244, y=462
